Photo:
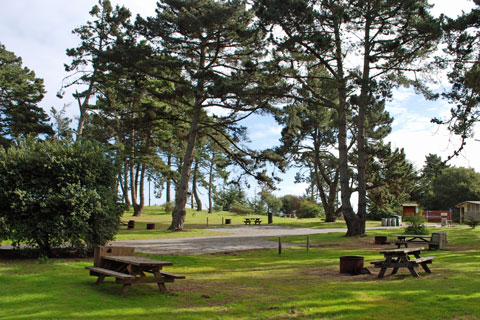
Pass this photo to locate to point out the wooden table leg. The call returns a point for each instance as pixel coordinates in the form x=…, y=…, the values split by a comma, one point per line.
x=161, y=285
x=425, y=267
x=395, y=270
x=125, y=288
x=382, y=272
x=413, y=272
x=100, y=279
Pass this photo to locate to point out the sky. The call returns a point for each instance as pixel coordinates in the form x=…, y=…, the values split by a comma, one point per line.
x=39, y=31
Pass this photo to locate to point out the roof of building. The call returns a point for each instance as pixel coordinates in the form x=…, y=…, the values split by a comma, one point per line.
x=409, y=205
x=464, y=202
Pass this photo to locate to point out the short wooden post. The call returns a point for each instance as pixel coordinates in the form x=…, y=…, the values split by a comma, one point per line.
x=207, y=221
x=279, y=245
x=308, y=243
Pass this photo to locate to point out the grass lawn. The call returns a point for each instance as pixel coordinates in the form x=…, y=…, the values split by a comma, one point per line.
x=257, y=284
x=196, y=224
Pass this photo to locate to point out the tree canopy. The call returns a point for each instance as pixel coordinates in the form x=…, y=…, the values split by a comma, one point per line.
x=20, y=93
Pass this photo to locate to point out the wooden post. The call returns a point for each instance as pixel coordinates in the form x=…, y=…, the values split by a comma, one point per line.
x=223, y=220
x=279, y=245
x=207, y=221
x=308, y=243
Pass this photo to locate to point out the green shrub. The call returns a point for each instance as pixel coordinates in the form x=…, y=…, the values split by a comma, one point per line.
x=3, y=230
x=415, y=224
x=472, y=222
x=240, y=208
x=169, y=206
x=55, y=192
x=309, y=209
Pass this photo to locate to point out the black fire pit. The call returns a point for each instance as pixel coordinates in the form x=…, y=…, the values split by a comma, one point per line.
x=380, y=239
x=351, y=265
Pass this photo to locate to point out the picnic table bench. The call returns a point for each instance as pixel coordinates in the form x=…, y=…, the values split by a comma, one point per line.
x=254, y=220
x=400, y=258
x=127, y=269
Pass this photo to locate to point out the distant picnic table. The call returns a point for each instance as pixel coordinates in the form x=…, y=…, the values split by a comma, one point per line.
x=400, y=258
x=406, y=239
x=250, y=220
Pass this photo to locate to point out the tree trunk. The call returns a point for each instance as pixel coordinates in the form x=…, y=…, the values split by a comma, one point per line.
x=168, y=186
x=328, y=202
x=179, y=213
x=123, y=180
x=210, y=182
x=194, y=187
x=361, y=138
x=348, y=213
x=138, y=207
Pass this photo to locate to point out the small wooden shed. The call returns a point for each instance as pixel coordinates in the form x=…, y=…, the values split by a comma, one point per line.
x=409, y=209
x=469, y=209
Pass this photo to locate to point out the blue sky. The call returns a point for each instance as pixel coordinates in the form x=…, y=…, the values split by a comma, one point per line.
x=40, y=31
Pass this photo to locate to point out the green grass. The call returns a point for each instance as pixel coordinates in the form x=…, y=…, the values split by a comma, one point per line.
x=196, y=223
x=257, y=284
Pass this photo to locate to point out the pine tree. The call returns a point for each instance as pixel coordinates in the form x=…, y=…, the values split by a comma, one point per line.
x=463, y=60
x=20, y=93
x=214, y=53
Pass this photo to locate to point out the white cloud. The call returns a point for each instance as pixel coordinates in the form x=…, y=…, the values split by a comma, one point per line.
x=288, y=187
x=261, y=131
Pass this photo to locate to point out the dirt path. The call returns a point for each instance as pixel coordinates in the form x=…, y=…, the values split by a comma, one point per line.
x=238, y=238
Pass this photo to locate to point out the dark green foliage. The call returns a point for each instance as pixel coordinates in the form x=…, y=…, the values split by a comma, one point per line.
x=240, y=208
x=169, y=207
x=424, y=193
x=54, y=192
x=3, y=230
x=301, y=207
x=416, y=224
x=455, y=185
x=391, y=179
x=472, y=222
x=20, y=92
x=463, y=53
x=290, y=204
x=309, y=209
x=226, y=198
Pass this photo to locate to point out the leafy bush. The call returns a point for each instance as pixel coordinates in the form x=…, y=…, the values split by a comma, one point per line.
x=229, y=197
x=240, y=208
x=309, y=209
x=55, y=192
x=3, y=230
x=169, y=206
x=416, y=224
x=291, y=204
x=472, y=222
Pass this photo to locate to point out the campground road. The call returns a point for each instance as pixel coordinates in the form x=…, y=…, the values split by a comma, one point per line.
x=235, y=239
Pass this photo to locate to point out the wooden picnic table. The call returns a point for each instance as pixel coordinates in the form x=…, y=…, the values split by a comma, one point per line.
x=254, y=220
x=131, y=269
x=400, y=258
x=406, y=239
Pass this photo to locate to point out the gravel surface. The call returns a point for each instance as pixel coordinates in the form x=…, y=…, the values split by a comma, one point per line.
x=235, y=239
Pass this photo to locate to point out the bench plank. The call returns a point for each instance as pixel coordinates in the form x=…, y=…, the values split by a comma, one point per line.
x=172, y=275
x=111, y=273
x=424, y=259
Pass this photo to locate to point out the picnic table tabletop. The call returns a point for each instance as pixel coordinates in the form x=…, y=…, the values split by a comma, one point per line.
x=137, y=261
x=411, y=235
x=402, y=251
